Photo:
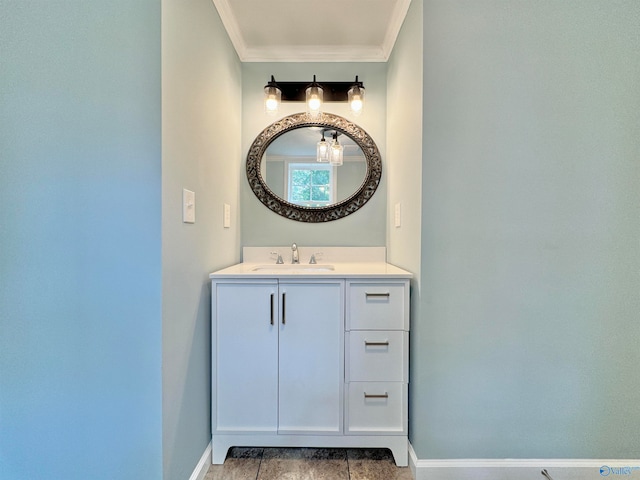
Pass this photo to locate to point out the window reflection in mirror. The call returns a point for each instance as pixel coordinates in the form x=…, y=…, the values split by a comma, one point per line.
x=290, y=169
x=309, y=184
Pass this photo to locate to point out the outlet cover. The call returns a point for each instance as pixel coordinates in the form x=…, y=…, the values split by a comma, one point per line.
x=226, y=221
x=398, y=215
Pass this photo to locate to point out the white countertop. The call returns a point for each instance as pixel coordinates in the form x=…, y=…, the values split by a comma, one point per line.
x=321, y=270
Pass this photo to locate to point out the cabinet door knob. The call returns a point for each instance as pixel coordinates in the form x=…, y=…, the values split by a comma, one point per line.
x=376, y=395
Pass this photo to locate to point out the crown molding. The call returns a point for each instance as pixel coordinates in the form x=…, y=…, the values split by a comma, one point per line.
x=395, y=24
x=321, y=53
x=231, y=25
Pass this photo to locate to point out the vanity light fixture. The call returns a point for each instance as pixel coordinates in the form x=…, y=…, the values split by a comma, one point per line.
x=314, y=94
x=272, y=97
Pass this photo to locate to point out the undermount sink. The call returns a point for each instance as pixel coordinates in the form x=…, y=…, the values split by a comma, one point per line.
x=297, y=267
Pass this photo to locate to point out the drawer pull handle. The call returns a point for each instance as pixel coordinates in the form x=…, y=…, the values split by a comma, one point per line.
x=376, y=344
x=374, y=395
x=377, y=295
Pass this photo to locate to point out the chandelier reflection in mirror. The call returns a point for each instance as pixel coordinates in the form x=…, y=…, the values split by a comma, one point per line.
x=314, y=94
x=331, y=152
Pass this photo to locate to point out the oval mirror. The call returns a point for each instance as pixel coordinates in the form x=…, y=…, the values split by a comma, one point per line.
x=284, y=172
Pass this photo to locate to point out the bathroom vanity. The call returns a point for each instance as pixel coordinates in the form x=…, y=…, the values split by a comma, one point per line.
x=310, y=355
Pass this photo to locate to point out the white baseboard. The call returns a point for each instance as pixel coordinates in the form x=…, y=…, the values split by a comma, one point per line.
x=522, y=469
x=203, y=465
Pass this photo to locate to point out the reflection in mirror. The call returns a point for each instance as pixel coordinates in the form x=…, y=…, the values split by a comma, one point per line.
x=291, y=169
x=285, y=174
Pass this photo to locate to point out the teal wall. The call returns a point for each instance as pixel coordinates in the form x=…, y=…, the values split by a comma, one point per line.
x=201, y=108
x=530, y=256
x=80, y=284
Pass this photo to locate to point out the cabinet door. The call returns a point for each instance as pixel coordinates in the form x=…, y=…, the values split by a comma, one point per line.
x=311, y=357
x=245, y=357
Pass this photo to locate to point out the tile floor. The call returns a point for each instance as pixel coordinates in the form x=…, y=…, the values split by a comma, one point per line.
x=308, y=464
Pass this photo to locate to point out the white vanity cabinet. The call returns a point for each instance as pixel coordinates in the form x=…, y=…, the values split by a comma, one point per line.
x=316, y=359
x=278, y=352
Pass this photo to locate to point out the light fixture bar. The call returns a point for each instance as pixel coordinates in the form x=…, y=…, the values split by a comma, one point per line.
x=332, y=91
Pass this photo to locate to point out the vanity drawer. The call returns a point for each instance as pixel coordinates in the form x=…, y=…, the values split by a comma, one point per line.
x=378, y=306
x=376, y=408
x=377, y=355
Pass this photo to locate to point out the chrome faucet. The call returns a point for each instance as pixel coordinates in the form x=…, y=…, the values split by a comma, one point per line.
x=294, y=254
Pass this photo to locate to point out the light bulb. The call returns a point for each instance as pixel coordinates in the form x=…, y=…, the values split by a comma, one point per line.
x=271, y=104
x=356, y=106
x=314, y=103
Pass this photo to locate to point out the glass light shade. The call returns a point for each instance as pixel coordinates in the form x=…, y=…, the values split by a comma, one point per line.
x=356, y=99
x=272, y=98
x=314, y=100
x=322, y=151
x=336, y=153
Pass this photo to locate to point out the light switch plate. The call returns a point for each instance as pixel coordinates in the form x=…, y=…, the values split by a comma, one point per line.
x=226, y=222
x=188, y=206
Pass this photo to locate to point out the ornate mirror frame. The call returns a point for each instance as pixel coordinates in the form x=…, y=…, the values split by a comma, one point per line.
x=314, y=214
